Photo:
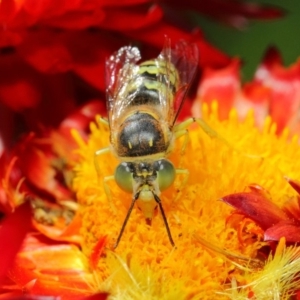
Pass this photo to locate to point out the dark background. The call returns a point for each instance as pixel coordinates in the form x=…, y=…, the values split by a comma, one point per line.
x=251, y=43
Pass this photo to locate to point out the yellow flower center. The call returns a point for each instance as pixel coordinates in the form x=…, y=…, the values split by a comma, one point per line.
x=145, y=265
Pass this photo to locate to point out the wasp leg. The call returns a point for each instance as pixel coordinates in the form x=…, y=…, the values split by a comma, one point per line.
x=96, y=164
x=105, y=179
x=210, y=132
x=181, y=130
x=180, y=133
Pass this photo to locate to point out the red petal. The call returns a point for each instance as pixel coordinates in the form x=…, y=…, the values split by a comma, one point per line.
x=220, y=85
x=254, y=96
x=99, y=296
x=97, y=252
x=290, y=231
x=12, y=233
x=256, y=207
x=38, y=170
x=284, y=87
x=294, y=184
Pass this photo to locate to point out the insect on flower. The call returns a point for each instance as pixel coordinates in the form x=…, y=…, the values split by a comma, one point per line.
x=143, y=103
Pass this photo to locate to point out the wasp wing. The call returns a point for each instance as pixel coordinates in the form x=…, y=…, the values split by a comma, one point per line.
x=119, y=70
x=184, y=58
x=168, y=76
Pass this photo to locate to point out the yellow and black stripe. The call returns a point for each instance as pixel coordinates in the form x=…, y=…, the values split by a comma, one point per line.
x=141, y=132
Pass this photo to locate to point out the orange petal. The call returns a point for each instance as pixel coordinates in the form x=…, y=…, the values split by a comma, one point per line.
x=97, y=251
x=221, y=85
x=44, y=267
x=69, y=233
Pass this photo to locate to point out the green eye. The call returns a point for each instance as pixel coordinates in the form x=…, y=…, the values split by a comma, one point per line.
x=123, y=176
x=165, y=173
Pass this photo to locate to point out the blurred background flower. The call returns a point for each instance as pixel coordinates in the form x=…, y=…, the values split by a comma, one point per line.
x=52, y=57
x=53, y=52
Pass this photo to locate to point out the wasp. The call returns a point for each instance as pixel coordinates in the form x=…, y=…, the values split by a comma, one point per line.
x=143, y=103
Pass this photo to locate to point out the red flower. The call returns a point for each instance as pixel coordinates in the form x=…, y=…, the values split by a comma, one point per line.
x=274, y=221
x=36, y=172
x=273, y=90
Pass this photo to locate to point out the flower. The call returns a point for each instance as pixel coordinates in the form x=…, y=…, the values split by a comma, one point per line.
x=273, y=89
x=37, y=173
x=275, y=222
x=144, y=256
x=52, y=57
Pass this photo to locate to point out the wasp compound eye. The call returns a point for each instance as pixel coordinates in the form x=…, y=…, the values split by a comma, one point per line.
x=124, y=176
x=165, y=173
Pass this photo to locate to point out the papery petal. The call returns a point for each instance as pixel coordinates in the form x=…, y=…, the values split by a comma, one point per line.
x=255, y=206
x=254, y=96
x=284, y=87
x=38, y=171
x=12, y=233
x=69, y=233
x=221, y=85
x=44, y=267
x=290, y=231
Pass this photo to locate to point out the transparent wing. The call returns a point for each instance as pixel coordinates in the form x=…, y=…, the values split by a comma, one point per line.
x=119, y=70
x=184, y=58
x=167, y=77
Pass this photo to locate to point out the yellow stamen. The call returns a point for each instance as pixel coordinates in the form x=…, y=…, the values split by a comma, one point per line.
x=145, y=265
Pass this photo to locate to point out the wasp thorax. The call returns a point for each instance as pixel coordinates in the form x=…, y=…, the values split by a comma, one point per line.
x=140, y=135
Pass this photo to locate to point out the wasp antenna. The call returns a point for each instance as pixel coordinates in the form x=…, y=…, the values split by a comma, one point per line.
x=126, y=219
x=158, y=201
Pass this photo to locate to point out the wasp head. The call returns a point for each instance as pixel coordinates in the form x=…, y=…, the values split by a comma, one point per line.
x=145, y=180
